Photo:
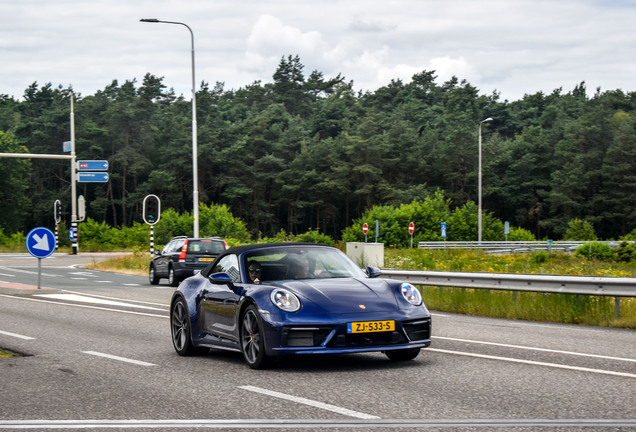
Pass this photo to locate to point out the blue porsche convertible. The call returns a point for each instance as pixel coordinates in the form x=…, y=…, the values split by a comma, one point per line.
x=270, y=300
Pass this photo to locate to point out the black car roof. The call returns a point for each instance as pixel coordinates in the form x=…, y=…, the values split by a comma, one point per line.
x=244, y=248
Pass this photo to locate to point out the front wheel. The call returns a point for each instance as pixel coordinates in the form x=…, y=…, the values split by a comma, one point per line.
x=253, y=339
x=182, y=330
x=402, y=355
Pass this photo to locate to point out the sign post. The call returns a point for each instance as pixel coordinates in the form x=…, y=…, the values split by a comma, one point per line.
x=411, y=231
x=444, y=233
x=365, y=230
x=40, y=242
x=57, y=215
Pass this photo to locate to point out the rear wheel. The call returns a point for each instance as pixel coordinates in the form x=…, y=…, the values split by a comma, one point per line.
x=402, y=355
x=182, y=330
x=152, y=275
x=172, y=278
x=253, y=339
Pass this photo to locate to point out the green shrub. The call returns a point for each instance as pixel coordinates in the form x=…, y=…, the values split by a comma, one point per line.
x=315, y=237
x=4, y=240
x=580, y=230
x=520, y=234
x=625, y=252
x=594, y=250
x=630, y=236
x=540, y=257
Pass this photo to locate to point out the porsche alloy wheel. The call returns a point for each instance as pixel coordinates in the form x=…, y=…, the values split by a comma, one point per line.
x=252, y=339
x=180, y=328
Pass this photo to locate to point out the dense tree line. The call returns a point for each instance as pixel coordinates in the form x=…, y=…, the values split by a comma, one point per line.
x=308, y=152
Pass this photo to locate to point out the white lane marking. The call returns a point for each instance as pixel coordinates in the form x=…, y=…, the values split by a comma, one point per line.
x=536, y=349
x=84, y=306
x=86, y=299
x=84, y=273
x=117, y=298
x=123, y=359
x=15, y=335
x=29, y=272
x=313, y=403
x=534, y=363
x=7, y=275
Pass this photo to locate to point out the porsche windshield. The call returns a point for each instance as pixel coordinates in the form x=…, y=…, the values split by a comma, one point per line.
x=304, y=262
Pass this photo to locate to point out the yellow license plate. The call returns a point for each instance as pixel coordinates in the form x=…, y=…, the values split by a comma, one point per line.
x=370, y=326
x=206, y=259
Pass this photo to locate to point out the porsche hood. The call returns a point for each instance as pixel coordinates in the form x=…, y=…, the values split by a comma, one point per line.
x=345, y=295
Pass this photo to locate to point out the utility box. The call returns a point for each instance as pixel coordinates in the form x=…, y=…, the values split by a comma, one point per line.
x=366, y=254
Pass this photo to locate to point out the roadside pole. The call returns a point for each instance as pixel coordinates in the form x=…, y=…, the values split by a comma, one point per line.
x=73, y=184
x=40, y=242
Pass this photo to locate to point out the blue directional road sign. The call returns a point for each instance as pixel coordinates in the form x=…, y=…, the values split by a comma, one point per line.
x=444, y=229
x=40, y=242
x=92, y=177
x=92, y=165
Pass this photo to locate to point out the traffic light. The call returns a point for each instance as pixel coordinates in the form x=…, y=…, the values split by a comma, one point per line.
x=152, y=209
x=57, y=211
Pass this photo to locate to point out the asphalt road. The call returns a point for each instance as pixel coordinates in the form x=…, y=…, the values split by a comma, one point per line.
x=96, y=354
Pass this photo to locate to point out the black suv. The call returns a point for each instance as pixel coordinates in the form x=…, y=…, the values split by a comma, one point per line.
x=182, y=257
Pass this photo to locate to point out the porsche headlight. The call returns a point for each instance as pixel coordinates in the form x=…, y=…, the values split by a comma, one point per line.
x=285, y=300
x=411, y=294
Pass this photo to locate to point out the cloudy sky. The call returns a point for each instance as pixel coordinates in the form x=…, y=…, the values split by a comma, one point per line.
x=514, y=47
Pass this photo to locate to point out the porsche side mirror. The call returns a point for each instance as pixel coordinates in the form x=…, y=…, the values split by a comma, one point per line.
x=221, y=279
x=373, y=272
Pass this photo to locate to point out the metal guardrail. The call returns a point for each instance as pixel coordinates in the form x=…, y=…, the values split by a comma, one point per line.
x=578, y=285
x=584, y=285
x=510, y=246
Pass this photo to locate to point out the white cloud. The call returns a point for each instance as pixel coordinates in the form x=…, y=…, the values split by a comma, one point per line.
x=445, y=68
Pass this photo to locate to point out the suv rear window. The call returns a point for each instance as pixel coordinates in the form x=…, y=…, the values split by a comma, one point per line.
x=206, y=247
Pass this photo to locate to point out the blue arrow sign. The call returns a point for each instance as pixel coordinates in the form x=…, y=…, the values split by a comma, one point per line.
x=92, y=177
x=40, y=242
x=92, y=165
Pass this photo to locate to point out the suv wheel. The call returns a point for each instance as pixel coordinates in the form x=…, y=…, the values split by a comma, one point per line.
x=172, y=278
x=152, y=276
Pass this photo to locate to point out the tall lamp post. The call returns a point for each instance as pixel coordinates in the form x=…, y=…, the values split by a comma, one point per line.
x=479, y=183
x=195, y=170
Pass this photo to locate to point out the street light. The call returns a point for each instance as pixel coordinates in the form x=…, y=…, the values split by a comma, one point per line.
x=195, y=171
x=479, y=183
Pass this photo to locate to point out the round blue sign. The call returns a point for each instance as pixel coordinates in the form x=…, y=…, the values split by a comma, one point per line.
x=40, y=242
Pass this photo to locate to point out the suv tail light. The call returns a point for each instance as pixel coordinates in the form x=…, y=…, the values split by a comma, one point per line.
x=184, y=249
x=226, y=246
